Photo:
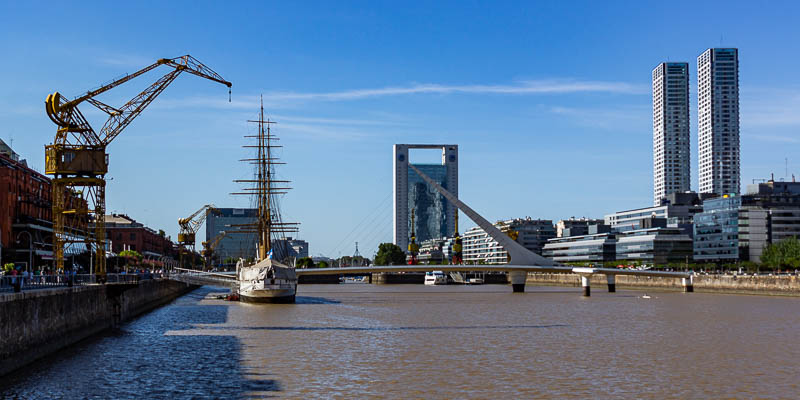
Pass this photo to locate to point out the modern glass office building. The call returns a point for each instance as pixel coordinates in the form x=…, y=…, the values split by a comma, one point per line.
x=434, y=216
x=733, y=228
x=658, y=246
x=429, y=206
x=582, y=248
x=716, y=230
x=236, y=245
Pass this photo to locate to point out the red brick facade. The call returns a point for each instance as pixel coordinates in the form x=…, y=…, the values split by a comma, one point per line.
x=125, y=233
x=26, y=206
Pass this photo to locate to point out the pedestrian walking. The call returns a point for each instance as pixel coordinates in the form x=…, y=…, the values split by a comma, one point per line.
x=15, y=280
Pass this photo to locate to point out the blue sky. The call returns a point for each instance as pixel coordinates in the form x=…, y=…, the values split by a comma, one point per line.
x=550, y=103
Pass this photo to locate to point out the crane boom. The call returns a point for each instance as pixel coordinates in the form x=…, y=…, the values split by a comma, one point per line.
x=209, y=246
x=78, y=159
x=192, y=223
x=66, y=115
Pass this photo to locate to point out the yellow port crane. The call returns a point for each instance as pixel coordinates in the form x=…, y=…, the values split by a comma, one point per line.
x=189, y=227
x=78, y=161
x=209, y=246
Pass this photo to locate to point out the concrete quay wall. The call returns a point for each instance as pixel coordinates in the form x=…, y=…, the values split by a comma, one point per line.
x=37, y=323
x=776, y=285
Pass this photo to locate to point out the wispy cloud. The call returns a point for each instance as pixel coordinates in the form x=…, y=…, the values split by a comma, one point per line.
x=770, y=107
x=618, y=117
x=326, y=132
x=776, y=138
x=126, y=60
x=520, y=88
x=337, y=121
x=287, y=99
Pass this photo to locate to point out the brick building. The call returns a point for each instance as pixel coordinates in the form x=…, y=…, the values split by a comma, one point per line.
x=26, y=220
x=125, y=233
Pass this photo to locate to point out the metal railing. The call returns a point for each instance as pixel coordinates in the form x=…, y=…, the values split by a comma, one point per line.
x=202, y=278
x=8, y=283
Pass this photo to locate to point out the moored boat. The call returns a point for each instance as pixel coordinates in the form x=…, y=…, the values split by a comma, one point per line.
x=435, y=278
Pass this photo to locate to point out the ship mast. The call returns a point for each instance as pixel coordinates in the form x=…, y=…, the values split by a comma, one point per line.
x=268, y=221
x=264, y=185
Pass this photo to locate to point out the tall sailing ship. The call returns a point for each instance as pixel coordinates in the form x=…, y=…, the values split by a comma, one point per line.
x=266, y=280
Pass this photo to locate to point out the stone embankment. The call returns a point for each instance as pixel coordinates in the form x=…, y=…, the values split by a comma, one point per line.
x=775, y=285
x=37, y=323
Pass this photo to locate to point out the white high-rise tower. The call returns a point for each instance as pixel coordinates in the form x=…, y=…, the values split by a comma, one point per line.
x=671, y=148
x=718, y=120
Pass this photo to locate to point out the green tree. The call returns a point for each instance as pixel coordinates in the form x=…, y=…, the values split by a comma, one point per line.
x=783, y=254
x=322, y=264
x=305, y=262
x=390, y=254
x=131, y=254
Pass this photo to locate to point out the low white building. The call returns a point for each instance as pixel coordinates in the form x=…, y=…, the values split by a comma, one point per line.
x=479, y=247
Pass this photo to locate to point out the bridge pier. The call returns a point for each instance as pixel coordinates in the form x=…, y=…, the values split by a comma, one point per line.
x=688, y=284
x=587, y=288
x=518, y=279
x=612, y=286
x=586, y=276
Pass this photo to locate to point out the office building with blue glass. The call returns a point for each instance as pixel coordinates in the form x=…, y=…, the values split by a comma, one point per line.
x=230, y=220
x=735, y=228
x=434, y=216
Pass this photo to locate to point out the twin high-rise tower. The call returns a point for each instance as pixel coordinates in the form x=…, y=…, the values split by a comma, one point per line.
x=671, y=158
x=718, y=125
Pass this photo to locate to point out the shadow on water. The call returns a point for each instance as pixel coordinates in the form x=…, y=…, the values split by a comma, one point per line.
x=139, y=361
x=379, y=328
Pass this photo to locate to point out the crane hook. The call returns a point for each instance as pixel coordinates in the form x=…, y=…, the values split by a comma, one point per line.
x=229, y=95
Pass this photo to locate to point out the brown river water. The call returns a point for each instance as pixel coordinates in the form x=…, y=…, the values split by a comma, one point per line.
x=415, y=341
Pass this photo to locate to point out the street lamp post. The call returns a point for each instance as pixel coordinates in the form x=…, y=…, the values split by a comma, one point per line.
x=91, y=264
x=30, y=249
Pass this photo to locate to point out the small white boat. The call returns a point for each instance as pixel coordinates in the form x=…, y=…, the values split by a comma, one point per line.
x=355, y=279
x=435, y=278
x=646, y=296
x=475, y=281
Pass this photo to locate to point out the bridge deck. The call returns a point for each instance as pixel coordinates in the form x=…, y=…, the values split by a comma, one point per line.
x=488, y=268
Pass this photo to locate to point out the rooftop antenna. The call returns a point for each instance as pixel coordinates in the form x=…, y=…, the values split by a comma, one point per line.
x=786, y=174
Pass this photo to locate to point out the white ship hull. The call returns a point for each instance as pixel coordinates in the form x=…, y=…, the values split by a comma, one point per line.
x=267, y=282
x=286, y=295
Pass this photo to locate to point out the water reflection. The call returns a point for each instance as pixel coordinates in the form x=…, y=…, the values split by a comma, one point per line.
x=413, y=341
x=375, y=328
x=139, y=361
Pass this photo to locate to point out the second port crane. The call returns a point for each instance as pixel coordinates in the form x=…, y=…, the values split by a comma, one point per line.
x=189, y=227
